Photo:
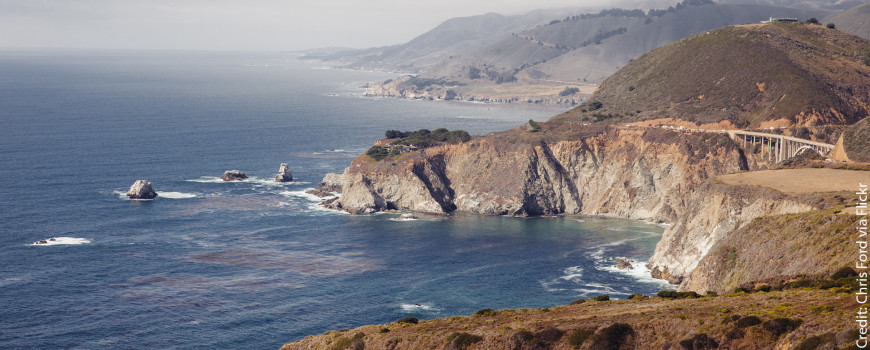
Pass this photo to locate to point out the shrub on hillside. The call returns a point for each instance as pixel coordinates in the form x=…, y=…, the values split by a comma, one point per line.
x=700, y=341
x=817, y=342
x=672, y=294
x=747, y=321
x=462, y=340
x=409, y=320
x=604, y=297
x=485, y=312
x=614, y=337
x=578, y=337
x=779, y=326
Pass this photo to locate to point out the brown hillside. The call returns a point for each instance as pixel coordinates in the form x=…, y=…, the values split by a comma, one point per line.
x=805, y=319
x=856, y=141
x=797, y=74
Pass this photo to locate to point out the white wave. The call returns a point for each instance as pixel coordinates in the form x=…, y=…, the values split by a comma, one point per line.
x=176, y=195
x=573, y=274
x=62, y=241
x=123, y=195
x=418, y=307
x=638, y=271
x=302, y=194
x=209, y=179
x=404, y=219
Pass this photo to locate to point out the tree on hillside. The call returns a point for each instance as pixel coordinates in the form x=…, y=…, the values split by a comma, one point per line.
x=813, y=20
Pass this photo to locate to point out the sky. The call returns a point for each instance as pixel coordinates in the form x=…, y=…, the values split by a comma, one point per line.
x=239, y=25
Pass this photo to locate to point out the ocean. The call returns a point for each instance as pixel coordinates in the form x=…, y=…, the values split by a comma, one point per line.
x=253, y=264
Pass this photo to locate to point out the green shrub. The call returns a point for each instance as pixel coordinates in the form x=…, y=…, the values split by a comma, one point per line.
x=729, y=319
x=765, y=288
x=595, y=105
x=616, y=336
x=672, y=294
x=578, y=302
x=409, y=320
x=461, y=340
x=831, y=26
x=813, y=20
x=550, y=334
x=803, y=283
x=569, y=91
x=780, y=326
x=700, y=341
x=578, y=337
x=485, y=312
x=535, y=126
x=844, y=272
x=604, y=297
x=816, y=342
x=524, y=339
x=378, y=153
x=711, y=293
x=637, y=297
x=384, y=330
x=747, y=321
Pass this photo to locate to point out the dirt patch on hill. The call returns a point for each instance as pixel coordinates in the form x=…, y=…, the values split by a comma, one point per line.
x=799, y=181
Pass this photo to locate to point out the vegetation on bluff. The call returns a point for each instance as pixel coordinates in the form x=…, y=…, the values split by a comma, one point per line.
x=407, y=141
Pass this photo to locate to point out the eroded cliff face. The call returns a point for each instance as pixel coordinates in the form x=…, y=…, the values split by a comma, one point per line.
x=645, y=174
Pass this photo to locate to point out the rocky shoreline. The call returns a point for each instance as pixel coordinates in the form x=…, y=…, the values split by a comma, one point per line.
x=651, y=175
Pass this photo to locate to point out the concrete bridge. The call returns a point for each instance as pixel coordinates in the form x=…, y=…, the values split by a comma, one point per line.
x=778, y=147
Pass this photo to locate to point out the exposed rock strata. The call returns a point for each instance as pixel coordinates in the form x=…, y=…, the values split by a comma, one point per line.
x=651, y=174
x=141, y=189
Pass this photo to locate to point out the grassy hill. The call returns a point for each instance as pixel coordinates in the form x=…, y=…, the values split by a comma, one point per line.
x=795, y=319
x=855, y=20
x=794, y=73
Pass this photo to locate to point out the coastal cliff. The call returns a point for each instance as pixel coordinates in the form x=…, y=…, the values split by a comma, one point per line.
x=645, y=174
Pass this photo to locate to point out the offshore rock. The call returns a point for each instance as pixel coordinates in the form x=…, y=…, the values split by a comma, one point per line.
x=233, y=175
x=623, y=263
x=284, y=174
x=141, y=189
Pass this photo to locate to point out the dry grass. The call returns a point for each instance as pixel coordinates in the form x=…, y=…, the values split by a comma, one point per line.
x=800, y=181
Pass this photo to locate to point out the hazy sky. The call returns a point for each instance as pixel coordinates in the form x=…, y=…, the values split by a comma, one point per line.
x=237, y=24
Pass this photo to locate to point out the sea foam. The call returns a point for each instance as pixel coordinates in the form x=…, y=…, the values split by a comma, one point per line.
x=62, y=241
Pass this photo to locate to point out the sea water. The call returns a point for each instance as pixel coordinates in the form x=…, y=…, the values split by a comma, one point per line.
x=250, y=264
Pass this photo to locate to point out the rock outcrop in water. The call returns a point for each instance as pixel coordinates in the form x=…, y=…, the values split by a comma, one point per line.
x=141, y=189
x=284, y=174
x=233, y=175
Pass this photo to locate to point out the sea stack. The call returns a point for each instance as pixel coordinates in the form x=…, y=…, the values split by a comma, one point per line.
x=284, y=174
x=141, y=189
x=234, y=175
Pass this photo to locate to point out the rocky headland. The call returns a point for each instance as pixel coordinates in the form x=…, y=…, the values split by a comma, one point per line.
x=612, y=157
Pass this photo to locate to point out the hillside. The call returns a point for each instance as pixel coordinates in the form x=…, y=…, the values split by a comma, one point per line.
x=855, y=20
x=589, y=48
x=452, y=37
x=794, y=319
x=856, y=141
x=782, y=74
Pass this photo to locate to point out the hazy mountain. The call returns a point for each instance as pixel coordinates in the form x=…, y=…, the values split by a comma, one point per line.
x=589, y=48
x=855, y=20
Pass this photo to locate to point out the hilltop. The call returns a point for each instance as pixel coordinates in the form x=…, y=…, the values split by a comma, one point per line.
x=760, y=75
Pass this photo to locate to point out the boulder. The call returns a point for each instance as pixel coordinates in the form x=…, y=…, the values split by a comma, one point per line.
x=233, y=175
x=623, y=264
x=284, y=174
x=141, y=189
x=449, y=95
